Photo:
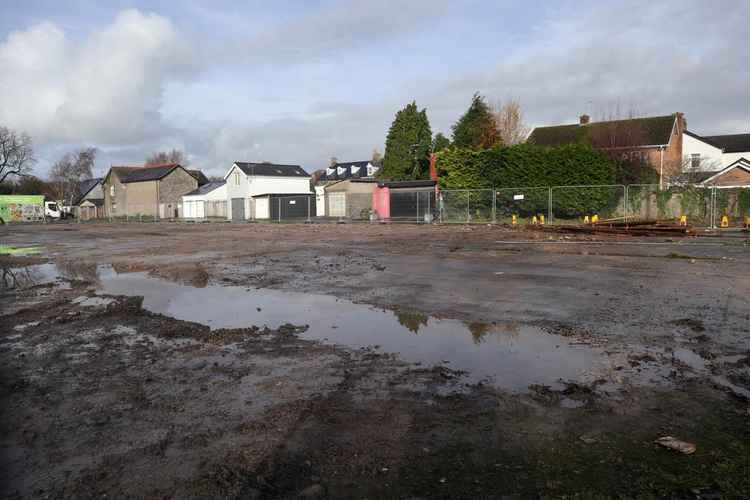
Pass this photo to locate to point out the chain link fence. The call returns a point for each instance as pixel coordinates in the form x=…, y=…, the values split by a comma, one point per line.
x=715, y=206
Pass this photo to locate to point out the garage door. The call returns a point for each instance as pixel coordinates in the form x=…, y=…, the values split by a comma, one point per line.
x=238, y=209
x=336, y=204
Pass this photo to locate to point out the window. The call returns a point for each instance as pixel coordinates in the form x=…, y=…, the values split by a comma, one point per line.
x=111, y=190
x=695, y=161
x=236, y=178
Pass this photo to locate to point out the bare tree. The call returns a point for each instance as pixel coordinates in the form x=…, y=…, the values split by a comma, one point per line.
x=510, y=125
x=332, y=162
x=617, y=130
x=16, y=153
x=377, y=158
x=68, y=172
x=161, y=157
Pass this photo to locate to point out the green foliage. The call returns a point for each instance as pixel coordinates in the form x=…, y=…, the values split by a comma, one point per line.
x=407, y=146
x=743, y=202
x=634, y=172
x=477, y=127
x=528, y=165
x=440, y=142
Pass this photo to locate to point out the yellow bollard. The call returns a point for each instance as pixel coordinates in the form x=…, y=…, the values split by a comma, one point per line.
x=514, y=220
x=724, y=221
x=534, y=220
x=541, y=219
x=594, y=219
x=683, y=220
x=585, y=219
x=747, y=222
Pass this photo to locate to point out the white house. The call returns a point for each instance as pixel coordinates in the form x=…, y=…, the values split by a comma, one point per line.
x=712, y=153
x=209, y=200
x=247, y=180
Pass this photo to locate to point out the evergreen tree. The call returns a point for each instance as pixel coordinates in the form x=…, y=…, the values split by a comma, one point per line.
x=407, y=146
x=476, y=128
x=440, y=142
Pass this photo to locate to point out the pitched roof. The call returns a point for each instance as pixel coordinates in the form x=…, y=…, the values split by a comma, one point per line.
x=128, y=174
x=85, y=188
x=199, y=176
x=271, y=169
x=701, y=138
x=654, y=131
x=735, y=143
x=207, y=188
x=739, y=163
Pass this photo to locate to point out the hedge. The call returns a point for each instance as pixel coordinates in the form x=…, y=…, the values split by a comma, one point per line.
x=528, y=165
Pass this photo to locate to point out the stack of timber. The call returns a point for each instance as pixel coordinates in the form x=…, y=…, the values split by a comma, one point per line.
x=627, y=226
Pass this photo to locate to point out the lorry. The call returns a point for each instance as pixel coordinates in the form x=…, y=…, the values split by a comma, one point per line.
x=27, y=208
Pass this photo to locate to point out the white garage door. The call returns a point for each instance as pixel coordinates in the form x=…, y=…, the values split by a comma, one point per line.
x=336, y=204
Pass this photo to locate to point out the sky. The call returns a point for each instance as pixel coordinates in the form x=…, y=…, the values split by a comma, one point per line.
x=302, y=81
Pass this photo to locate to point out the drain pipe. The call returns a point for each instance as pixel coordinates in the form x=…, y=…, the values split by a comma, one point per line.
x=661, y=168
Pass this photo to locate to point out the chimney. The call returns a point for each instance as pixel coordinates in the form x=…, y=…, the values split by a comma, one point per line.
x=681, y=122
x=584, y=119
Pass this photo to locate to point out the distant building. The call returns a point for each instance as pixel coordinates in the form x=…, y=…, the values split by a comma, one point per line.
x=154, y=190
x=250, y=184
x=654, y=140
x=345, y=190
x=90, y=202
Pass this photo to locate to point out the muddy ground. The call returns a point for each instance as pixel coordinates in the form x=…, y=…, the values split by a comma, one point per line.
x=102, y=397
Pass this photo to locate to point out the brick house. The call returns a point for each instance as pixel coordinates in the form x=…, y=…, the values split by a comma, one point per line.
x=154, y=190
x=654, y=140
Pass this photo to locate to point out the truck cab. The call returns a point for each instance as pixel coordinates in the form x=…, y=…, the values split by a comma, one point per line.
x=52, y=210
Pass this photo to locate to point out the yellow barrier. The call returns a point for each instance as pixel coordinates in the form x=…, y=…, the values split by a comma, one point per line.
x=683, y=220
x=724, y=221
x=594, y=219
x=586, y=219
x=747, y=222
x=514, y=220
x=541, y=219
x=534, y=220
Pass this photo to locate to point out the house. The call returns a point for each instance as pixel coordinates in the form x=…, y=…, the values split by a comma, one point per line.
x=654, y=140
x=245, y=181
x=345, y=190
x=209, y=200
x=736, y=174
x=90, y=202
x=153, y=190
x=714, y=152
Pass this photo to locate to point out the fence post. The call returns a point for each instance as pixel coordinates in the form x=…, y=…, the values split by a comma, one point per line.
x=429, y=206
x=549, y=205
x=279, y=210
x=494, y=207
x=468, y=206
x=417, y=193
x=308, y=209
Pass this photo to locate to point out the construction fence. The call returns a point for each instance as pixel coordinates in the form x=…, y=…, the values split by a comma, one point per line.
x=701, y=206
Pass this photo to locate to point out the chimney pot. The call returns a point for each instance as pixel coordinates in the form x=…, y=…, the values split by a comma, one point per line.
x=584, y=119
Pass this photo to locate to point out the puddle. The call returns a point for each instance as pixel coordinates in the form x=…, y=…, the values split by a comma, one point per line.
x=23, y=277
x=511, y=356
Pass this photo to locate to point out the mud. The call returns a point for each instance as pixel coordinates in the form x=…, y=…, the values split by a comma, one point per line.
x=255, y=361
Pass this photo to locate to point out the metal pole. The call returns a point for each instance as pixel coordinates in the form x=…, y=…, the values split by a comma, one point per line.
x=494, y=207
x=308, y=209
x=468, y=210
x=417, y=193
x=279, y=210
x=549, y=206
x=429, y=205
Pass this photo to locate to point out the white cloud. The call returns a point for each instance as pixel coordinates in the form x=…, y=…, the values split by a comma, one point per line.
x=106, y=89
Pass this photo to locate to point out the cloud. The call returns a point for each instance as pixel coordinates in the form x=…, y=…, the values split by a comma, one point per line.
x=105, y=89
x=657, y=57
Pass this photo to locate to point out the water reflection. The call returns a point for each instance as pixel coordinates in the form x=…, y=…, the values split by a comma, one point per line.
x=79, y=271
x=411, y=320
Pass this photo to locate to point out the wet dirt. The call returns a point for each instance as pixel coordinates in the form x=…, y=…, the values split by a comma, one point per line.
x=271, y=362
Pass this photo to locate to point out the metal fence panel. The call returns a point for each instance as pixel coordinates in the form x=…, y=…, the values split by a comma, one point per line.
x=292, y=208
x=572, y=204
x=523, y=203
x=649, y=202
x=731, y=207
x=417, y=206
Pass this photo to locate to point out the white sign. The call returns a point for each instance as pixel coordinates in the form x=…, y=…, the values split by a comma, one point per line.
x=292, y=202
x=518, y=197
